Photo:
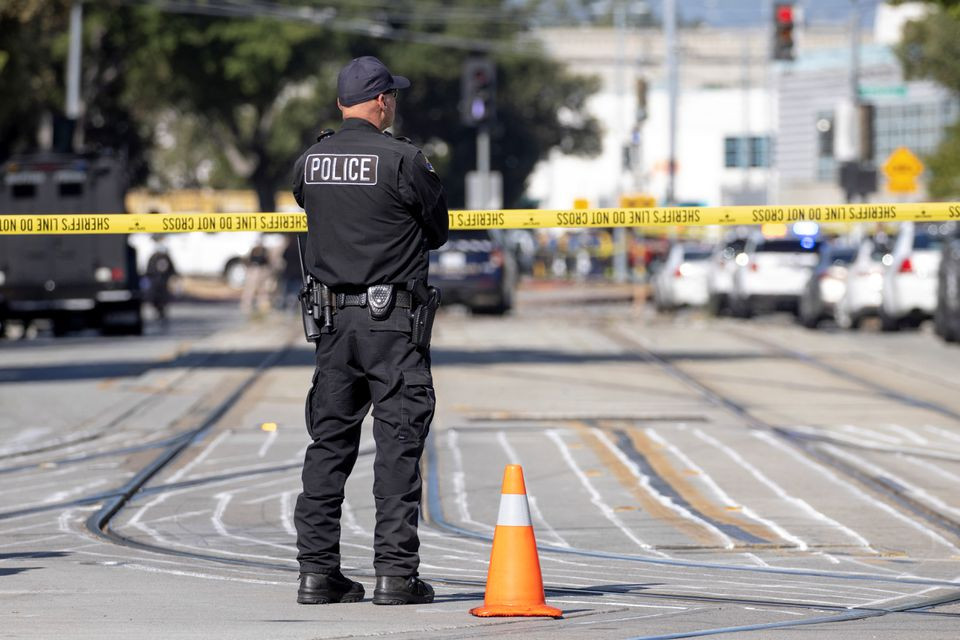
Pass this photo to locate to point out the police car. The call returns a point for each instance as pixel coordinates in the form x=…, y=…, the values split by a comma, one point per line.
x=474, y=268
x=773, y=270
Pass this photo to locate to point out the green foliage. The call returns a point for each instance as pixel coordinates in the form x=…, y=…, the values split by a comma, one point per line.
x=931, y=49
x=223, y=102
x=29, y=82
x=944, y=165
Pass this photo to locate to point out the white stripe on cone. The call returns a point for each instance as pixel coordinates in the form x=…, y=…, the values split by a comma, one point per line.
x=514, y=511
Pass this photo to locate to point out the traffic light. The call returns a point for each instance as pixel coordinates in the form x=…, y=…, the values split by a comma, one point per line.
x=478, y=91
x=783, y=42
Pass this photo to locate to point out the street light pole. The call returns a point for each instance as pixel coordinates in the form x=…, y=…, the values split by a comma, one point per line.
x=72, y=107
x=670, y=28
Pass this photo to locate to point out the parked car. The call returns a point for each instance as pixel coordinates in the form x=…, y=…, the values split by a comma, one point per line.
x=475, y=268
x=219, y=255
x=910, y=279
x=723, y=264
x=947, y=315
x=826, y=285
x=682, y=279
x=864, y=287
x=771, y=274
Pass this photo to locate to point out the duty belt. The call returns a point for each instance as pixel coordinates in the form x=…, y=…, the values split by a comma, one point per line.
x=403, y=301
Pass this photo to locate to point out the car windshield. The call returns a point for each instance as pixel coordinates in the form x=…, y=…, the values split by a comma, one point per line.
x=840, y=256
x=786, y=246
x=927, y=242
x=696, y=254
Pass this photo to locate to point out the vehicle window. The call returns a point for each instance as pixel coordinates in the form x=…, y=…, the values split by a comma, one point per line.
x=924, y=241
x=785, y=246
x=841, y=256
x=696, y=254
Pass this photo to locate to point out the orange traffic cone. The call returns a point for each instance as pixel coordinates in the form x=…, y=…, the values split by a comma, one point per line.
x=514, y=583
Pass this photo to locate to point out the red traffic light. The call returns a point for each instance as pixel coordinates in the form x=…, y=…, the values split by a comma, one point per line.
x=784, y=13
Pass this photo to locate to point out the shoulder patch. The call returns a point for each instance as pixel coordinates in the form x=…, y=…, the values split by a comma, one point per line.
x=326, y=133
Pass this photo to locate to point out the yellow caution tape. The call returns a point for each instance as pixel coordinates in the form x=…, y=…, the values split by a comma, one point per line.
x=494, y=219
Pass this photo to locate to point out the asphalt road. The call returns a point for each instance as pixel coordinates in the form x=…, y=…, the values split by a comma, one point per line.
x=686, y=477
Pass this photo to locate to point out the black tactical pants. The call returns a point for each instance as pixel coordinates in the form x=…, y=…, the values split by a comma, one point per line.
x=365, y=361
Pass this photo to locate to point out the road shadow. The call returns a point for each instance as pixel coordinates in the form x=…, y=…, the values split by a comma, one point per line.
x=14, y=571
x=33, y=554
x=303, y=357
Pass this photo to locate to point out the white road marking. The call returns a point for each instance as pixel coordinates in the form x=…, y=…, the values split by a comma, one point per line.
x=634, y=605
x=628, y=618
x=769, y=439
x=722, y=495
x=204, y=576
x=223, y=500
x=459, y=488
x=921, y=494
x=595, y=496
x=783, y=611
x=32, y=541
x=870, y=433
x=180, y=473
x=514, y=458
x=909, y=434
x=666, y=501
x=927, y=465
x=949, y=435
x=803, y=505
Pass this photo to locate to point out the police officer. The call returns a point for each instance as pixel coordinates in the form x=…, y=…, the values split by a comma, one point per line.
x=375, y=207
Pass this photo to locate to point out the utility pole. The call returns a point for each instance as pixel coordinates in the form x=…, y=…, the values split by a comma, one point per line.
x=72, y=109
x=745, y=139
x=855, y=54
x=619, y=233
x=483, y=164
x=670, y=25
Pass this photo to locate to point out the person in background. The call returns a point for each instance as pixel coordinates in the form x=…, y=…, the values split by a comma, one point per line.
x=254, y=299
x=160, y=270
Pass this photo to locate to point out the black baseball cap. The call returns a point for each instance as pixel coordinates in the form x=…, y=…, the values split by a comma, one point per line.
x=364, y=79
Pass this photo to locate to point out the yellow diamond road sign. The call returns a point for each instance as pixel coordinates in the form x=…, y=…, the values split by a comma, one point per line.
x=902, y=169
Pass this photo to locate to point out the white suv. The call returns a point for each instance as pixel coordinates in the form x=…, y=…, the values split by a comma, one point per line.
x=772, y=273
x=910, y=276
x=682, y=280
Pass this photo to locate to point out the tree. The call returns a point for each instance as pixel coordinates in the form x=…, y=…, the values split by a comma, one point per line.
x=33, y=52
x=227, y=100
x=930, y=49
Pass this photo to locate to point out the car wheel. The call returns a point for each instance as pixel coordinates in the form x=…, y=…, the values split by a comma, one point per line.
x=809, y=321
x=715, y=305
x=888, y=323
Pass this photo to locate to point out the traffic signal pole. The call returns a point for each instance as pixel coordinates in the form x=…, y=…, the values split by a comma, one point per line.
x=72, y=106
x=483, y=164
x=670, y=26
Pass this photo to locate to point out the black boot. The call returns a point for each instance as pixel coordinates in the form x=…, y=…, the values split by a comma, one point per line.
x=325, y=588
x=402, y=590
